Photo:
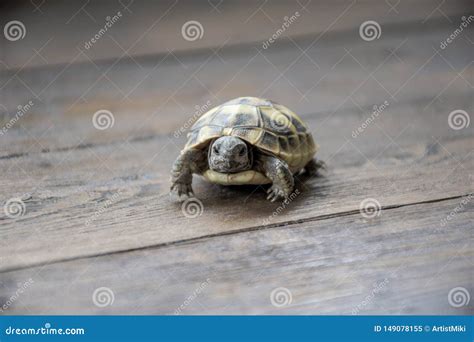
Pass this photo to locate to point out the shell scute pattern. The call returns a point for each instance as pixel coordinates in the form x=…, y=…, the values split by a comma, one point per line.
x=271, y=127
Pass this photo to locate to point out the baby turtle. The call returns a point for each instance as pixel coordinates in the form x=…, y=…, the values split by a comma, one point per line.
x=247, y=140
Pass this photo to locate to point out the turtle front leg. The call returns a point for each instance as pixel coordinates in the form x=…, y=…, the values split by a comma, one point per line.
x=189, y=162
x=279, y=173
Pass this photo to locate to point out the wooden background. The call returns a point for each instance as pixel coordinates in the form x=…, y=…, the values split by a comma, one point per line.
x=97, y=211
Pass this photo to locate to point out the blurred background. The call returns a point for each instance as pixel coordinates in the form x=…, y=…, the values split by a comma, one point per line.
x=141, y=65
x=96, y=98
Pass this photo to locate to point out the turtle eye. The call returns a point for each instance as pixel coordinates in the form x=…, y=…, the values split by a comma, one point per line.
x=215, y=150
x=242, y=152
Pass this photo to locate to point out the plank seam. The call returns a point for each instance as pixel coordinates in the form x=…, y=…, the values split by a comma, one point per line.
x=234, y=232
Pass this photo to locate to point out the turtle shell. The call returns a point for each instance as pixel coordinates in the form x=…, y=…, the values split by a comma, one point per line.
x=269, y=126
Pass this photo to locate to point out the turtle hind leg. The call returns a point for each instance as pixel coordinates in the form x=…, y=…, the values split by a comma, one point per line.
x=313, y=166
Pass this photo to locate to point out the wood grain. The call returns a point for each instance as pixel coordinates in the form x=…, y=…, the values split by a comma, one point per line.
x=161, y=95
x=68, y=215
x=97, y=211
x=401, y=262
x=151, y=28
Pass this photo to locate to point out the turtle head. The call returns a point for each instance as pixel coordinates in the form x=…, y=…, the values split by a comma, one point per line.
x=229, y=155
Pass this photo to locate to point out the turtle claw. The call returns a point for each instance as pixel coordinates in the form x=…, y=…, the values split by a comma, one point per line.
x=181, y=191
x=275, y=192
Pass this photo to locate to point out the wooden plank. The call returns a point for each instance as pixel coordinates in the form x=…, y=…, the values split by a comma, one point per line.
x=69, y=186
x=161, y=100
x=134, y=208
x=404, y=261
x=97, y=212
x=65, y=186
x=146, y=27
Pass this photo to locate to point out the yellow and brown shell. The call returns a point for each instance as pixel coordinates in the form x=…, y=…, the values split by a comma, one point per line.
x=269, y=126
